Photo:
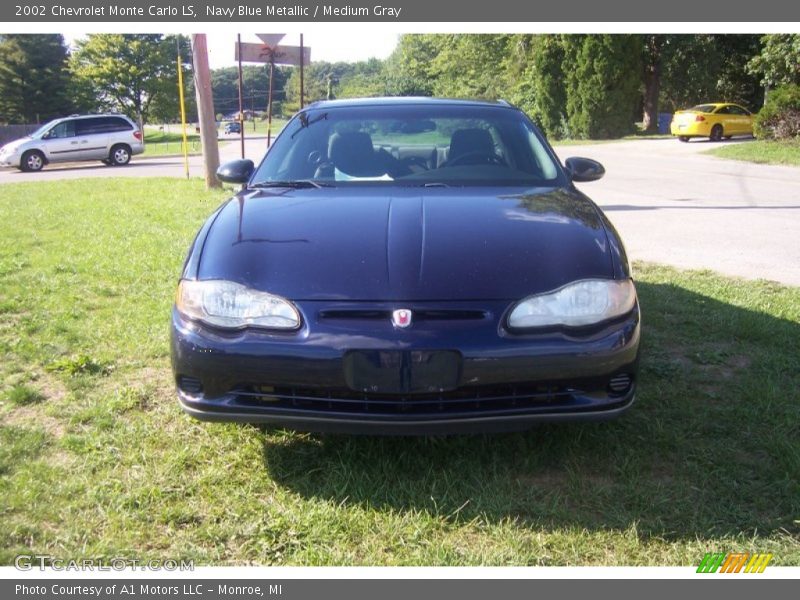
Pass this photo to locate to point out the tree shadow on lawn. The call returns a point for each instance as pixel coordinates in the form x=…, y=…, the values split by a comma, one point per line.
x=710, y=448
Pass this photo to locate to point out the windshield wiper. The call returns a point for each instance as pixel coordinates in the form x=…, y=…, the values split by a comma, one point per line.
x=294, y=184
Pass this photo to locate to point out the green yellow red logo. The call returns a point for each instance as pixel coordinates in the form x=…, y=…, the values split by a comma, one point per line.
x=734, y=562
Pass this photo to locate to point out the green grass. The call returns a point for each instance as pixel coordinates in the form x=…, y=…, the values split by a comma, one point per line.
x=103, y=463
x=169, y=142
x=762, y=151
x=260, y=127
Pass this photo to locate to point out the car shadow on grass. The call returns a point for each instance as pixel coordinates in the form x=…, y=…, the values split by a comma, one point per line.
x=709, y=449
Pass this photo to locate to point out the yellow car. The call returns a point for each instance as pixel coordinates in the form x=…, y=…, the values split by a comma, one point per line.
x=715, y=121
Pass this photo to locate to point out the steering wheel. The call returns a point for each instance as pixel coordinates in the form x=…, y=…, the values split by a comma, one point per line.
x=476, y=158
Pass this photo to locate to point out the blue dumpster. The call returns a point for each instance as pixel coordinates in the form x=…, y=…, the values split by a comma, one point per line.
x=664, y=119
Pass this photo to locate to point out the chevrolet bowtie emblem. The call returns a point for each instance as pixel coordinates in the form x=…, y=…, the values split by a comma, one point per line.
x=401, y=318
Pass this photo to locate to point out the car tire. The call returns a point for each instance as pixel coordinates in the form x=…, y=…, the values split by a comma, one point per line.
x=120, y=155
x=716, y=133
x=683, y=138
x=32, y=160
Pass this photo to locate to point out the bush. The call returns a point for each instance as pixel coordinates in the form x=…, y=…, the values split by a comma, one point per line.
x=602, y=78
x=780, y=117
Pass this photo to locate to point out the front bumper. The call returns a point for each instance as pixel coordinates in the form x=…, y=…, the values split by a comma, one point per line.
x=304, y=380
x=9, y=161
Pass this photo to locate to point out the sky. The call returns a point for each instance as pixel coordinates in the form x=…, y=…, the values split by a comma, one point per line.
x=330, y=46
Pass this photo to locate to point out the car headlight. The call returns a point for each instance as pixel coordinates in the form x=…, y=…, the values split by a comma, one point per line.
x=576, y=304
x=233, y=306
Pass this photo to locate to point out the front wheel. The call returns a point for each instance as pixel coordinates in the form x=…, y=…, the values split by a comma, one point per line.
x=716, y=133
x=32, y=160
x=120, y=155
x=683, y=138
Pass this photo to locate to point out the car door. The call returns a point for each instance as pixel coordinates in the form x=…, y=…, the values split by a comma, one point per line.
x=60, y=143
x=723, y=117
x=92, y=136
x=744, y=120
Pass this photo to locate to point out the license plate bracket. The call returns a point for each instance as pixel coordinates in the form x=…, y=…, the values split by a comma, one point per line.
x=402, y=371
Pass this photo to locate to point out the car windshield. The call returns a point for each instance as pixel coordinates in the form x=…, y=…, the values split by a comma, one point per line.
x=42, y=130
x=425, y=144
x=704, y=108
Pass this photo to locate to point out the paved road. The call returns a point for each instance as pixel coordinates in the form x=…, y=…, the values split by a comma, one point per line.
x=674, y=205
x=671, y=203
x=141, y=166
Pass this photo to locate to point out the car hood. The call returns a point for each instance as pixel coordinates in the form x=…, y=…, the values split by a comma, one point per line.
x=15, y=144
x=369, y=243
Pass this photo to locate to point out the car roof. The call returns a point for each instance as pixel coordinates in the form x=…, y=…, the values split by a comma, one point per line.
x=407, y=101
x=68, y=117
x=718, y=104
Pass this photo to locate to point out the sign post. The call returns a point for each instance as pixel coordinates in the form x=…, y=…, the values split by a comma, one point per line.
x=241, y=99
x=271, y=53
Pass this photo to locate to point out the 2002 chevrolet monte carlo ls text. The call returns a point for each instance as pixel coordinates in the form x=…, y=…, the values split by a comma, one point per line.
x=407, y=266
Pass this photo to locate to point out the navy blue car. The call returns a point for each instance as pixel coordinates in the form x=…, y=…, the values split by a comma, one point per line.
x=407, y=265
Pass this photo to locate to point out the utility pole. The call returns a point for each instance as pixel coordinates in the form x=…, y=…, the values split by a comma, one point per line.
x=302, y=87
x=269, y=99
x=241, y=102
x=205, y=109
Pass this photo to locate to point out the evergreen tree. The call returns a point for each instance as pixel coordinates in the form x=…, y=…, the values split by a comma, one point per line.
x=603, y=77
x=539, y=89
x=34, y=80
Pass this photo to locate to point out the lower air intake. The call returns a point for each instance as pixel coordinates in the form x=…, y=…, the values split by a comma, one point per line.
x=619, y=384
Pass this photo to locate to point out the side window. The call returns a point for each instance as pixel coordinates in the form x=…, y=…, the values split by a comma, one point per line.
x=65, y=129
x=737, y=110
x=91, y=126
x=118, y=124
x=725, y=110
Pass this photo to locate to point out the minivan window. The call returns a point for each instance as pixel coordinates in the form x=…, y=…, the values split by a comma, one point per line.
x=90, y=126
x=65, y=129
x=97, y=125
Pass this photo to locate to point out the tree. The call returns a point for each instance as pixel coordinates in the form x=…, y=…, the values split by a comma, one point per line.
x=470, y=66
x=603, y=76
x=255, y=83
x=707, y=68
x=651, y=78
x=34, y=80
x=539, y=87
x=165, y=107
x=408, y=68
x=132, y=73
x=778, y=61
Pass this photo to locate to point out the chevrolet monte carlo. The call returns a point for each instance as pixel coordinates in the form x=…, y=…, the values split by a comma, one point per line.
x=407, y=266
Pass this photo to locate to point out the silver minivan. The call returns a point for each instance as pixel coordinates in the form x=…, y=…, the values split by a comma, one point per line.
x=110, y=138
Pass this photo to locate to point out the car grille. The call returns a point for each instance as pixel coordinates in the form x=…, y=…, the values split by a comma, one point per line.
x=419, y=314
x=483, y=399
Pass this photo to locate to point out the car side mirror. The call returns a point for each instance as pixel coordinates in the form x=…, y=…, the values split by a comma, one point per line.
x=584, y=169
x=236, y=171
